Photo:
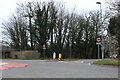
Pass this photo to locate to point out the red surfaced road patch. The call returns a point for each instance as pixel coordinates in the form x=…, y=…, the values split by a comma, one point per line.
x=12, y=64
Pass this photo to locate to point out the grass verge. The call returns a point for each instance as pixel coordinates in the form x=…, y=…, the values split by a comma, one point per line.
x=107, y=62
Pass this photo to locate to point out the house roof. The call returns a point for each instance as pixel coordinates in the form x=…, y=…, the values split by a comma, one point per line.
x=5, y=48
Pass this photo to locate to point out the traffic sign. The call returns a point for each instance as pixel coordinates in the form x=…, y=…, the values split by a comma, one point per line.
x=98, y=39
x=98, y=43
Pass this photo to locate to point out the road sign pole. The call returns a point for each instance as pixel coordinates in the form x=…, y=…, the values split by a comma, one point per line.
x=44, y=53
x=98, y=43
x=98, y=53
x=44, y=50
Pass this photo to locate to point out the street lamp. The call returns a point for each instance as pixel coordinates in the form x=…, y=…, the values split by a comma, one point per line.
x=101, y=26
x=100, y=13
x=70, y=49
x=70, y=46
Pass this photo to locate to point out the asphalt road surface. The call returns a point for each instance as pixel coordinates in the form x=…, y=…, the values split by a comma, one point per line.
x=59, y=69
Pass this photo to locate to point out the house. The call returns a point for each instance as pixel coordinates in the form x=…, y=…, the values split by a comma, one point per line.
x=5, y=52
x=26, y=54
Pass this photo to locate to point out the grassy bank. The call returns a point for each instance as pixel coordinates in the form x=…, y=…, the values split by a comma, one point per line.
x=107, y=62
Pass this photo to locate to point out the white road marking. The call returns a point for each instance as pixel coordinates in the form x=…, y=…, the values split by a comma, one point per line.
x=63, y=62
x=82, y=61
x=3, y=63
x=89, y=64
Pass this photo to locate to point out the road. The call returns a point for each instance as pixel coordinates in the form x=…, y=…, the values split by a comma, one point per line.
x=60, y=69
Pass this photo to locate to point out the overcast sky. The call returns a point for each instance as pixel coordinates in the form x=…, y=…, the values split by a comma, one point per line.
x=7, y=7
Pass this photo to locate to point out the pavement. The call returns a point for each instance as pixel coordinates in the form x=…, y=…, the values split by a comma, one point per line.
x=59, y=69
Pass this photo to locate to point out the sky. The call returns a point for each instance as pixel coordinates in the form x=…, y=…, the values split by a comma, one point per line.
x=7, y=7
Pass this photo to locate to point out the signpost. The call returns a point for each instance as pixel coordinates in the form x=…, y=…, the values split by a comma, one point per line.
x=44, y=49
x=98, y=43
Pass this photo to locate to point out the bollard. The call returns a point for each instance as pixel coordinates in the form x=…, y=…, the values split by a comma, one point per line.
x=54, y=55
x=60, y=56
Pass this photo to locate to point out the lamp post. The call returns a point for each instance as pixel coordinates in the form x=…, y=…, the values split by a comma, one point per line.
x=70, y=50
x=101, y=26
x=100, y=13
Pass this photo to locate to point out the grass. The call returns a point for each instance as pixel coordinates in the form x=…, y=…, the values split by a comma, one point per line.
x=107, y=62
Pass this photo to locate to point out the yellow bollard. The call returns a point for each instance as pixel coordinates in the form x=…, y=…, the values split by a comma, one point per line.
x=60, y=56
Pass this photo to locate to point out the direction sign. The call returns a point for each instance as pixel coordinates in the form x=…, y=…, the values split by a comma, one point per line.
x=98, y=43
